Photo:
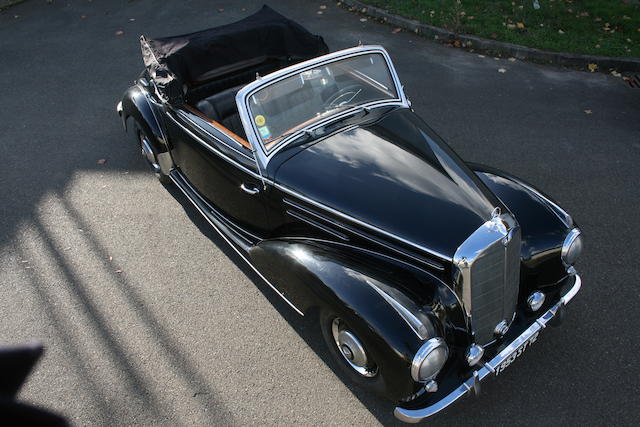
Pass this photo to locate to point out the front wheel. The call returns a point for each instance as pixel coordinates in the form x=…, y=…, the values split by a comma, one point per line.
x=350, y=353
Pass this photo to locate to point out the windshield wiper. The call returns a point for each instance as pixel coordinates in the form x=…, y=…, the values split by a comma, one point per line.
x=305, y=134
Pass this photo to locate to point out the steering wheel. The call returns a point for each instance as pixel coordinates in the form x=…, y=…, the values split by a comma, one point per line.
x=343, y=96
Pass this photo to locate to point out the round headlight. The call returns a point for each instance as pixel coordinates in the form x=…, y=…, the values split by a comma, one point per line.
x=429, y=360
x=572, y=247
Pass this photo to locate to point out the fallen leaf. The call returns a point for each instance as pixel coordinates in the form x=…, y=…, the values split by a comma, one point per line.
x=520, y=25
x=363, y=19
x=584, y=14
x=220, y=10
x=512, y=59
x=560, y=32
x=588, y=111
x=119, y=33
x=614, y=73
x=396, y=30
x=511, y=26
x=323, y=6
x=102, y=161
x=597, y=20
x=592, y=67
x=457, y=43
x=481, y=56
x=502, y=70
x=471, y=17
x=493, y=35
x=364, y=10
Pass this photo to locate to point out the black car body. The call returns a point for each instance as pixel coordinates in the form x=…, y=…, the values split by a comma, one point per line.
x=429, y=273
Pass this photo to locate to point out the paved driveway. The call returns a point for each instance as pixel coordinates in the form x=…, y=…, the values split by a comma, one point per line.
x=149, y=318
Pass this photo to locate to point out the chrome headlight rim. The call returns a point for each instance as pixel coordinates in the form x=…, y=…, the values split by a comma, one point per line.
x=423, y=353
x=568, y=253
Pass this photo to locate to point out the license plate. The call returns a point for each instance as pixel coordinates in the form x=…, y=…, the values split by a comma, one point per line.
x=516, y=353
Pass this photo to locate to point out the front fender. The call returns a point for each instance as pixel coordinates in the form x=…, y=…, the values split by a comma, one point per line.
x=324, y=274
x=544, y=226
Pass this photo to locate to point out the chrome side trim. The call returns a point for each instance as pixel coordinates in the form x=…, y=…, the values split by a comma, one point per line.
x=361, y=223
x=414, y=323
x=364, y=236
x=234, y=247
x=317, y=225
x=417, y=415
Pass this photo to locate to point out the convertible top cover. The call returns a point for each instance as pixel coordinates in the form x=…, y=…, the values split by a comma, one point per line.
x=192, y=59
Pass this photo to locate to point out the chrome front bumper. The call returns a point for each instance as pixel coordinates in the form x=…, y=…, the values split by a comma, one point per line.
x=473, y=383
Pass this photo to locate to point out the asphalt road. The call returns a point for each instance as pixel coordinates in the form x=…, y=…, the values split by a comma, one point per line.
x=148, y=318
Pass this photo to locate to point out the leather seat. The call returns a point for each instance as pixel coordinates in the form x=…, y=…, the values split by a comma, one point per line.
x=222, y=108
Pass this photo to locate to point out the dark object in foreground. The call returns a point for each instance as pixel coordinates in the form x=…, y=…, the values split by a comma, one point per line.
x=15, y=365
x=429, y=273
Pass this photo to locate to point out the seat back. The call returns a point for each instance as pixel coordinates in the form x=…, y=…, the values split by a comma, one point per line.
x=222, y=108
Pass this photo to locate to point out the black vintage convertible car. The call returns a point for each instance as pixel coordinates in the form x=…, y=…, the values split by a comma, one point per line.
x=427, y=274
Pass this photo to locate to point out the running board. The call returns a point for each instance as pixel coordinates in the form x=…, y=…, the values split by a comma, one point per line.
x=211, y=216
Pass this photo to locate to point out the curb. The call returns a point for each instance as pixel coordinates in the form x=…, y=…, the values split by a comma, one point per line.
x=494, y=47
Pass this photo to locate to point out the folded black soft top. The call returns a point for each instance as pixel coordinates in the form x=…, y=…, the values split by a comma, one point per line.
x=192, y=58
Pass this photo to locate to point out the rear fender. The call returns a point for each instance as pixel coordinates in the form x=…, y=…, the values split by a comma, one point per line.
x=136, y=105
x=353, y=283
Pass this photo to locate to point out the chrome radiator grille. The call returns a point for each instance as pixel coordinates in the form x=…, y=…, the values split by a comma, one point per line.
x=489, y=263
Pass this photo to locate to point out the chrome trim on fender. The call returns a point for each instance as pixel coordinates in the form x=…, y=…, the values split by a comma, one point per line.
x=420, y=329
x=417, y=415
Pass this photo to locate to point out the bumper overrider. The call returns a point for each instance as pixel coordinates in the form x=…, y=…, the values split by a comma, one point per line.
x=494, y=366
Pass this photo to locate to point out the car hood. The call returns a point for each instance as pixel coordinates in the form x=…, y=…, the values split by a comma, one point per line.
x=397, y=175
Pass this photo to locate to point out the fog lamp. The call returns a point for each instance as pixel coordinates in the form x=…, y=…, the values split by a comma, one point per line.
x=536, y=300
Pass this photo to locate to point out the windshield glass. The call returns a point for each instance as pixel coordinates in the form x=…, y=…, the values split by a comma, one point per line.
x=299, y=100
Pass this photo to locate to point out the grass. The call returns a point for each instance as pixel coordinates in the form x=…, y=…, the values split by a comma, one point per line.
x=598, y=27
x=6, y=4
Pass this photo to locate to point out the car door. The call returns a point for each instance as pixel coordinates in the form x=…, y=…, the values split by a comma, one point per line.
x=220, y=166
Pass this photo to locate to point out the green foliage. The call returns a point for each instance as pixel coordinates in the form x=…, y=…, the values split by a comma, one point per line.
x=599, y=27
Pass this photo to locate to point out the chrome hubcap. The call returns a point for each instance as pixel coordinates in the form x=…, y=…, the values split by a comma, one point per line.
x=147, y=153
x=352, y=349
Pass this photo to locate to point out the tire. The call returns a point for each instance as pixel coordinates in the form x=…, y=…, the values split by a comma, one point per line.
x=150, y=158
x=370, y=378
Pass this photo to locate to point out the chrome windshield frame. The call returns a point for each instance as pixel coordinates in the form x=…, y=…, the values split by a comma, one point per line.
x=263, y=156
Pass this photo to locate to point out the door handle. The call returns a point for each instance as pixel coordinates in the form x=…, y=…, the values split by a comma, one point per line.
x=250, y=189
